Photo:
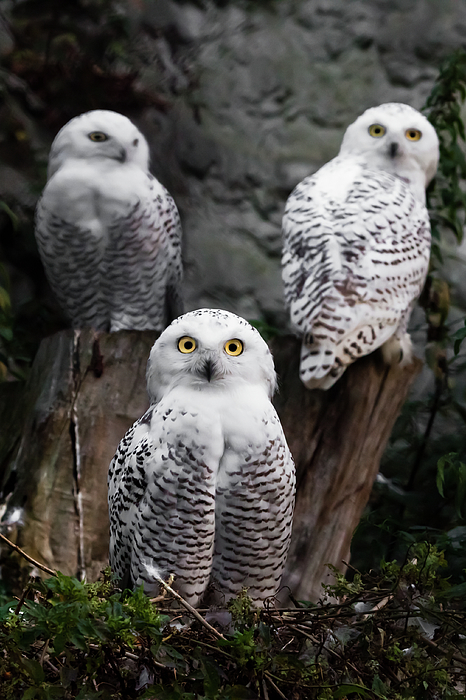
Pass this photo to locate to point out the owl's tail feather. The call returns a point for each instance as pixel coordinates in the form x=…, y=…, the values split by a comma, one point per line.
x=319, y=368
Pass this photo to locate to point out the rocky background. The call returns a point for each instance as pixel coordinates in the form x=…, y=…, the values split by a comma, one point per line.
x=239, y=100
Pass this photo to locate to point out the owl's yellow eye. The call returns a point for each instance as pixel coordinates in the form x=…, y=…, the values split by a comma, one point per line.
x=98, y=136
x=413, y=134
x=186, y=344
x=377, y=130
x=233, y=347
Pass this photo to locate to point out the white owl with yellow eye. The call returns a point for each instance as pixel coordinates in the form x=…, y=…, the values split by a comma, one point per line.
x=202, y=486
x=357, y=243
x=108, y=232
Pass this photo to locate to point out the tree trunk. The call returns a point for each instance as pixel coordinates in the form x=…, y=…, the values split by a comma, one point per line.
x=337, y=438
x=87, y=388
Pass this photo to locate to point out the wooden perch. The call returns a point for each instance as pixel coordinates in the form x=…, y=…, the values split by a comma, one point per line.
x=87, y=388
x=337, y=438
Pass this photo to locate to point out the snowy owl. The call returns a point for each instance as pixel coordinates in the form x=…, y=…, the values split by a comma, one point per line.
x=357, y=243
x=202, y=486
x=108, y=232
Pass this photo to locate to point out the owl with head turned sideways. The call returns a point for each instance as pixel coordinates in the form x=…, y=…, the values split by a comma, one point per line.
x=202, y=486
x=108, y=232
x=356, y=243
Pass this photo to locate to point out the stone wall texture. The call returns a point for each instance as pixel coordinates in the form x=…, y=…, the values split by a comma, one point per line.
x=262, y=93
x=257, y=95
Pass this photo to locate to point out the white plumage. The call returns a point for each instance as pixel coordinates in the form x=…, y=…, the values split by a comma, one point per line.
x=202, y=486
x=108, y=232
x=357, y=243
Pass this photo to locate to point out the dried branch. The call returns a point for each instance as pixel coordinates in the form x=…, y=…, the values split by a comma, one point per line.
x=27, y=557
x=275, y=687
x=190, y=608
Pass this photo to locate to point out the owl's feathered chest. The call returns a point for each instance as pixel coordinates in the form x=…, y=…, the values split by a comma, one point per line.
x=85, y=191
x=218, y=428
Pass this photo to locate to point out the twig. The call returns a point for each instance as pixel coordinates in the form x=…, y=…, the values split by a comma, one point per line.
x=458, y=657
x=209, y=646
x=190, y=608
x=43, y=652
x=174, y=611
x=297, y=628
x=54, y=668
x=135, y=657
x=350, y=566
x=27, y=557
x=315, y=640
x=264, y=688
x=116, y=670
x=378, y=606
x=439, y=387
x=275, y=687
x=22, y=599
x=163, y=595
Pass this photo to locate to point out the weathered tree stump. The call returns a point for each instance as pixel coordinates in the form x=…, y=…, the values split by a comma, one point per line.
x=87, y=388
x=337, y=438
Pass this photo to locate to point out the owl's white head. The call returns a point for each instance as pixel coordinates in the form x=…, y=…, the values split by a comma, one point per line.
x=398, y=139
x=209, y=349
x=99, y=134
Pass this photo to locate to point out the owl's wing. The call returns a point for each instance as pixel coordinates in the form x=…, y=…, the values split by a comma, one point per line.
x=143, y=262
x=352, y=267
x=127, y=483
x=254, y=511
x=174, y=298
x=72, y=263
x=162, y=502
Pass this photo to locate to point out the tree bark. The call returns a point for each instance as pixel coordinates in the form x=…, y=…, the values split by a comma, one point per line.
x=337, y=438
x=87, y=388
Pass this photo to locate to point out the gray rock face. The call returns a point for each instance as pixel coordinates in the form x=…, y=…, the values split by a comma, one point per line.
x=258, y=96
x=268, y=91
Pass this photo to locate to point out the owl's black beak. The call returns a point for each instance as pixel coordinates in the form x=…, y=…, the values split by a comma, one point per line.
x=121, y=157
x=393, y=149
x=207, y=369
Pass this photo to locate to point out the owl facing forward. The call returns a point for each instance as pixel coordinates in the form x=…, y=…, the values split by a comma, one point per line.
x=357, y=243
x=108, y=232
x=202, y=486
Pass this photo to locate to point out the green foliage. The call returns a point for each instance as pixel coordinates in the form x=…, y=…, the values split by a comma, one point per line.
x=265, y=329
x=455, y=479
x=81, y=627
x=342, y=586
x=458, y=338
x=68, y=639
x=14, y=355
x=446, y=198
x=66, y=52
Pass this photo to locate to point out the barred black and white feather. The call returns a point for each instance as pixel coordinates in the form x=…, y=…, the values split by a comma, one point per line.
x=202, y=486
x=108, y=232
x=357, y=243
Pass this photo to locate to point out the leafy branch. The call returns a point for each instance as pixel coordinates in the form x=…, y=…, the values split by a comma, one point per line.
x=446, y=198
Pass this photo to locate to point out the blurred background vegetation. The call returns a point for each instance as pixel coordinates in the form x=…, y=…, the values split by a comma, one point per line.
x=59, y=59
